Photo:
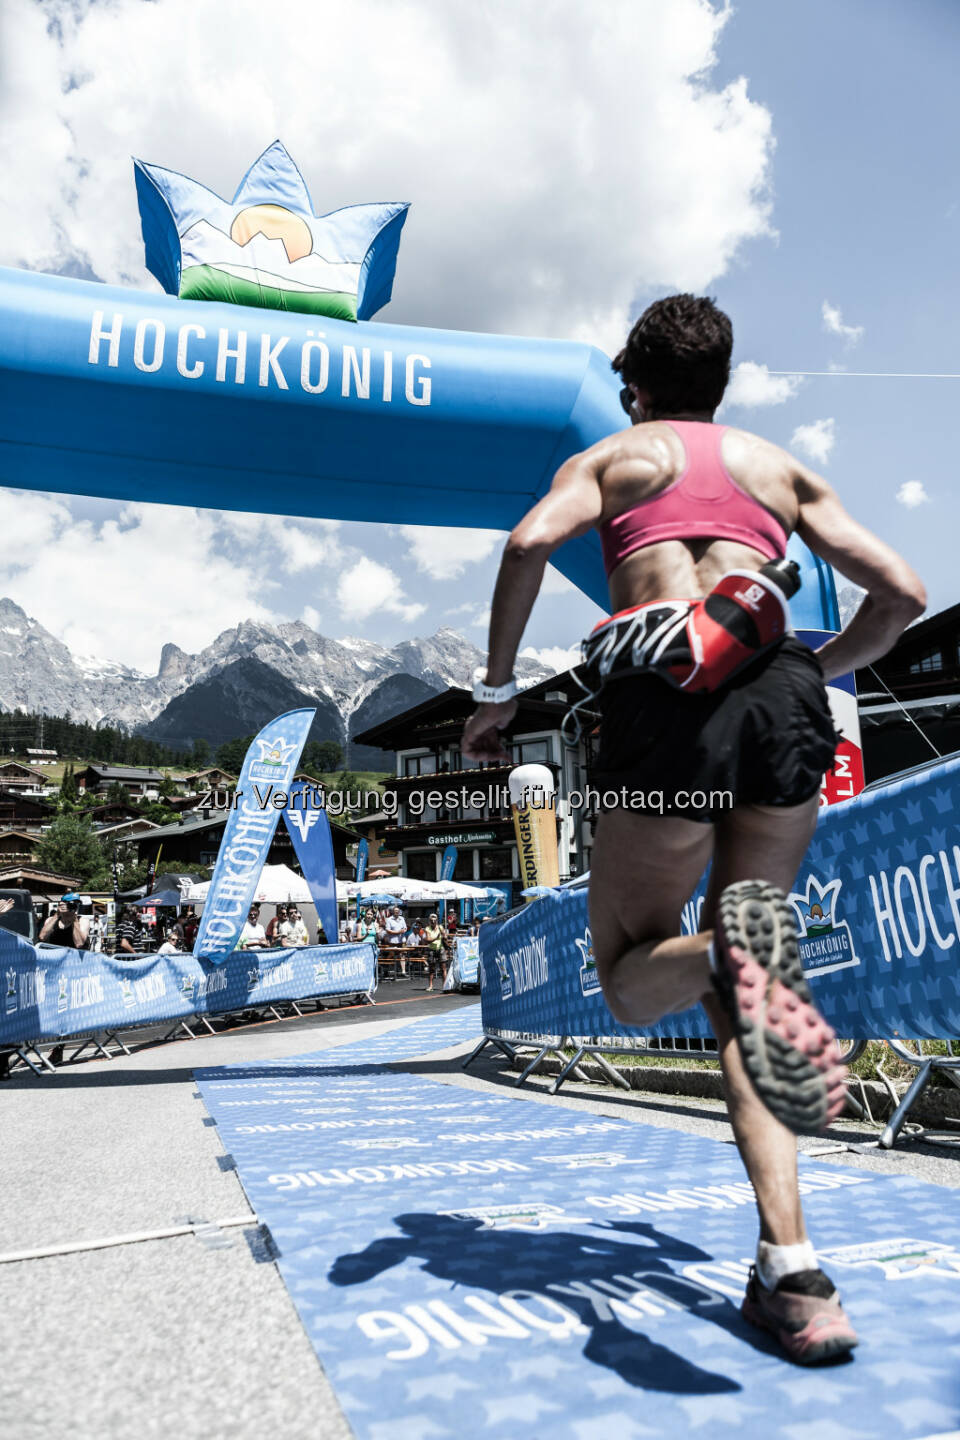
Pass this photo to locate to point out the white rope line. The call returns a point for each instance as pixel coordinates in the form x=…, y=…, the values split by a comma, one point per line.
x=872, y=374
x=74, y=1247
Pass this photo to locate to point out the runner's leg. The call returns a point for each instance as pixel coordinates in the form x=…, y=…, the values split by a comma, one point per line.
x=757, y=842
x=643, y=870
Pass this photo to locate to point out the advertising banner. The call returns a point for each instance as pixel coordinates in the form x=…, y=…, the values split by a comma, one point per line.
x=310, y=832
x=363, y=854
x=844, y=779
x=449, y=862
x=464, y=967
x=52, y=993
x=268, y=770
x=877, y=903
x=558, y=1274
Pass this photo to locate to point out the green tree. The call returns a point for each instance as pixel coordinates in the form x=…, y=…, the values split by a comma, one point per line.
x=70, y=847
x=230, y=755
x=200, y=758
x=159, y=813
x=168, y=786
x=68, y=789
x=321, y=756
x=117, y=794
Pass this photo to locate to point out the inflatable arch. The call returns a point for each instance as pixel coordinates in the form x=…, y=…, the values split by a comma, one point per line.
x=136, y=396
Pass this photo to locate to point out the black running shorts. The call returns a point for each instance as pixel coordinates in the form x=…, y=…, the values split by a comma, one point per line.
x=764, y=738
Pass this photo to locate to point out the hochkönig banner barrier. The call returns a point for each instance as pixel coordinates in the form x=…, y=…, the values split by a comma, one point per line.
x=50, y=993
x=877, y=903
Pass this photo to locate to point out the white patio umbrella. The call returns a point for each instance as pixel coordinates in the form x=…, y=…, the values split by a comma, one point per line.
x=277, y=883
x=418, y=891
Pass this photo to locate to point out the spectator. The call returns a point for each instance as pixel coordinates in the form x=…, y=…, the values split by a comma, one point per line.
x=273, y=925
x=367, y=930
x=65, y=926
x=321, y=933
x=128, y=934
x=396, y=928
x=171, y=944
x=293, y=932
x=252, y=936
x=352, y=926
x=453, y=924
x=433, y=936
x=95, y=934
x=191, y=925
x=344, y=934
x=415, y=935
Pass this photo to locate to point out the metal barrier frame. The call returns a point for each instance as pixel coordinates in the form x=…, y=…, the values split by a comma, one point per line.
x=599, y=1047
x=925, y=1066
x=34, y=1054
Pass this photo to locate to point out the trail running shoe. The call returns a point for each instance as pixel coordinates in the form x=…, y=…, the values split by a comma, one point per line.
x=804, y=1313
x=789, y=1051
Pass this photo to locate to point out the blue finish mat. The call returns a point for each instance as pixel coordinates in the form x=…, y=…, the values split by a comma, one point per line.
x=470, y=1264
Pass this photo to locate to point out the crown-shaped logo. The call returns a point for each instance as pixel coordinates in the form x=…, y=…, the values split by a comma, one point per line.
x=11, y=982
x=266, y=246
x=585, y=946
x=275, y=752
x=814, y=908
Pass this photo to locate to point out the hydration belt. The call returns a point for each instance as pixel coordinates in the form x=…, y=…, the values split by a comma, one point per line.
x=695, y=645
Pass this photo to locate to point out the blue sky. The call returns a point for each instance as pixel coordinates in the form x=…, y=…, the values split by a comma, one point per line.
x=797, y=160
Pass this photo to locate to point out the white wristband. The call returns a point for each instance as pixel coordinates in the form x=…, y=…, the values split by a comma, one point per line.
x=492, y=694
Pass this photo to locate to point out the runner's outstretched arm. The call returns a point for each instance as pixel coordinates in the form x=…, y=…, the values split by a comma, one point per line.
x=895, y=593
x=570, y=508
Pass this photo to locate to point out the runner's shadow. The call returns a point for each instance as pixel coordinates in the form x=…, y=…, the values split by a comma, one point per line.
x=594, y=1275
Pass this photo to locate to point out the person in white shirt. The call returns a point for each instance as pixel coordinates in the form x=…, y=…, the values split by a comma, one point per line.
x=170, y=946
x=395, y=928
x=293, y=931
x=253, y=935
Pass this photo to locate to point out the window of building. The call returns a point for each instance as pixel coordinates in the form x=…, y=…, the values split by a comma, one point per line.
x=421, y=864
x=531, y=752
x=931, y=660
x=496, y=864
x=420, y=765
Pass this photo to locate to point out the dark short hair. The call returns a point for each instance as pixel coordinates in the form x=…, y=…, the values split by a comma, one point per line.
x=679, y=353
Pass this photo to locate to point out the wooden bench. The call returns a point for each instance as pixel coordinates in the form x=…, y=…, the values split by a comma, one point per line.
x=394, y=955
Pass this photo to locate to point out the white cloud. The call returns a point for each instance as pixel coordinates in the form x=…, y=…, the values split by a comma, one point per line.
x=556, y=658
x=913, y=493
x=369, y=587
x=482, y=618
x=121, y=587
x=298, y=544
x=556, y=584
x=311, y=617
x=815, y=440
x=752, y=385
x=499, y=127
x=834, y=325
x=444, y=552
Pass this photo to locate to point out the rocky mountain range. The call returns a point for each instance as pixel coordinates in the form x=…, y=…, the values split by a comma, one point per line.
x=234, y=685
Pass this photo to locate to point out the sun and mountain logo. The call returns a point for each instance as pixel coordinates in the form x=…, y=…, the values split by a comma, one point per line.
x=825, y=942
x=535, y=1216
x=901, y=1259
x=598, y=1160
x=275, y=752
x=266, y=247
x=589, y=979
x=505, y=977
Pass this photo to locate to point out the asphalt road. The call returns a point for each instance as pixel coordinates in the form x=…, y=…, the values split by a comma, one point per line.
x=179, y=1337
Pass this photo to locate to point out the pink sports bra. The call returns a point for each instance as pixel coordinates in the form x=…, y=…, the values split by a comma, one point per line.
x=705, y=503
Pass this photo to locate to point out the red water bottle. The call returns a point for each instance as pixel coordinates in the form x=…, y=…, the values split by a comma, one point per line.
x=744, y=614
